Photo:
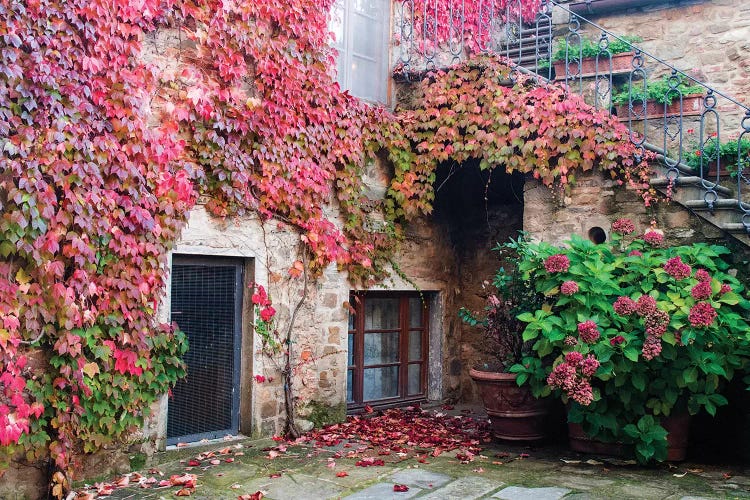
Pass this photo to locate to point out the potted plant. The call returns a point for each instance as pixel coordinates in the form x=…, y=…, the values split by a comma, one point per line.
x=634, y=338
x=657, y=98
x=515, y=414
x=726, y=153
x=620, y=49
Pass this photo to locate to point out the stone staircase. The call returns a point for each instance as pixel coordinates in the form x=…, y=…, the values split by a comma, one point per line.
x=715, y=203
x=722, y=202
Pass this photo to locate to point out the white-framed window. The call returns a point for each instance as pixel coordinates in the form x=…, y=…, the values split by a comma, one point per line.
x=360, y=29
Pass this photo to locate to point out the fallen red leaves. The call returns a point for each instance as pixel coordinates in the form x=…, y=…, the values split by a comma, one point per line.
x=185, y=482
x=369, y=462
x=400, y=488
x=406, y=431
x=258, y=495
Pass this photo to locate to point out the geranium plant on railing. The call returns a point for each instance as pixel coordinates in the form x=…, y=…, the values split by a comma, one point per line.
x=646, y=332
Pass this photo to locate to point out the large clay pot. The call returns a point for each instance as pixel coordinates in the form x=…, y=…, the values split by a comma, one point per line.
x=677, y=440
x=515, y=414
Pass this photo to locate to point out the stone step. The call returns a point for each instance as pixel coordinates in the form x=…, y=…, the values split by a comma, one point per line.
x=694, y=182
x=721, y=203
x=735, y=228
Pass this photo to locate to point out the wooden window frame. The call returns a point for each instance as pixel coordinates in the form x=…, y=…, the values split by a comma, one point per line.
x=358, y=301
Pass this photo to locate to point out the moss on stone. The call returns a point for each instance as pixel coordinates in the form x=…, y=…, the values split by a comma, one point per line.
x=137, y=461
x=321, y=414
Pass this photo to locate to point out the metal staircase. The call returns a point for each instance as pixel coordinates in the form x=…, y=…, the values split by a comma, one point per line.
x=686, y=139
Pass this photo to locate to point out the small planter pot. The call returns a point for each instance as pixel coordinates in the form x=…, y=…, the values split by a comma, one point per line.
x=709, y=170
x=515, y=414
x=692, y=105
x=621, y=64
x=677, y=426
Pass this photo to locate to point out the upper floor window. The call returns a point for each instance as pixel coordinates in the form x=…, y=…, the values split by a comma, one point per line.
x=361, y=28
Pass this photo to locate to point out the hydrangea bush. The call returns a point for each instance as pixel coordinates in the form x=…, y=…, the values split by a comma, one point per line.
x=633, y=331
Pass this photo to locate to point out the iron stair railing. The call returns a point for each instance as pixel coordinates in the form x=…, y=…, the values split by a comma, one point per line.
x=687, y=140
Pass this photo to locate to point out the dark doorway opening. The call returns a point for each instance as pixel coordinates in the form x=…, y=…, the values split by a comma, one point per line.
x=206, y=303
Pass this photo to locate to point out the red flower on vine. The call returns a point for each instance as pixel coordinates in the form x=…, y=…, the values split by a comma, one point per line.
x=267, y=313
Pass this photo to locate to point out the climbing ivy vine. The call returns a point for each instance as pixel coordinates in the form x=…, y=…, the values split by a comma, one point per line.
x=105, y=152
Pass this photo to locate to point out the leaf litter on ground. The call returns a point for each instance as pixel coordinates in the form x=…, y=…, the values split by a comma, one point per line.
x=402, y=433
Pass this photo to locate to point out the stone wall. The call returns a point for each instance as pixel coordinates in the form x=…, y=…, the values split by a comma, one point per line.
x=597, y=201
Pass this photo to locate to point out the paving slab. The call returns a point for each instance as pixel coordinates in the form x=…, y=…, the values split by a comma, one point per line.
x=582, y=482
x=420, y=478
x=382, y=491
x=294, y=486
x=464, y=488
x=520, y=493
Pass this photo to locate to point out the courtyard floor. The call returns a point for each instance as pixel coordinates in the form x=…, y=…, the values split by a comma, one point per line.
x=253, y=469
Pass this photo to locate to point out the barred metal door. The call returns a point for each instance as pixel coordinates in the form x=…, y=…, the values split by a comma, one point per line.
x=207, y=306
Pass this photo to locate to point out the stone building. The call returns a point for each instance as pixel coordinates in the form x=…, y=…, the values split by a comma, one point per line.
x=405, y=342
x=402, y=342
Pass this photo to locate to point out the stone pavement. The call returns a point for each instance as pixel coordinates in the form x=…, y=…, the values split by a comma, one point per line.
x=502, y=471
x=304, y=471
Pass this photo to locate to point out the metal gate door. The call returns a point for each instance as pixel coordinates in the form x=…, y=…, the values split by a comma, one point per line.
x=207, y=306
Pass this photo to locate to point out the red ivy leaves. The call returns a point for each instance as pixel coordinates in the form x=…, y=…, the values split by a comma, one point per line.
x=467, y=112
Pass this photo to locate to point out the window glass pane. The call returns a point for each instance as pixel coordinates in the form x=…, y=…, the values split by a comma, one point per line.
x=349, y=382
x=415, y=345
x=352, y=318
x=415, y=379
x=350, y=354
x=366, y=79
x=415, y=312
x=337, y=24
x=366, y=36
x=380, y=383
x=381, y=314
x=381, y=348
x=374, y=8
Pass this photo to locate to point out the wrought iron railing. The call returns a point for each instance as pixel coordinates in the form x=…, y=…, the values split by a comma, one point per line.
x=686, y=131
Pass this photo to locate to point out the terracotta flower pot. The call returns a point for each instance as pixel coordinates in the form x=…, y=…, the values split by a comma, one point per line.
x=621, y=64
x=677, y=426
x=515, y=414
x=692, y=105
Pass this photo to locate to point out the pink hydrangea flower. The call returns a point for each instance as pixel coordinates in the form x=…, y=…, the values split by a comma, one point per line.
x=702, y=275
x=646, y=305
x=651, y=347
x=702, y=290
x=569, y=288
x=588, y=331
x=570, y=340
x=725, y=288
x=582, y=393
x=574, y=358
x=589, y=366
x=623, y=226
x=653, y=238
x=702, y=314
x=656, y=323
x=624, y=306
x=677, y=269
x=635, y=253
x=558, y=263
x=562, y=376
